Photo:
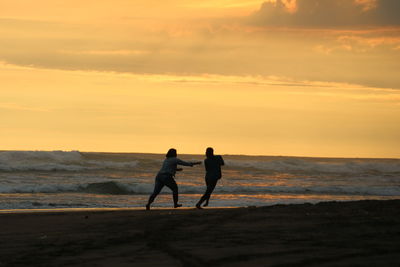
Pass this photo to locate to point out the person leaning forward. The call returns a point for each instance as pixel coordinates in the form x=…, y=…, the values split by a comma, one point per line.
x=165, y=177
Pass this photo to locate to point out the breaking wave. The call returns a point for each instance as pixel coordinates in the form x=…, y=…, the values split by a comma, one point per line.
x=112, y=188
x=345, y=166
x=56, y=161
x=76, y=161
x=117, y=188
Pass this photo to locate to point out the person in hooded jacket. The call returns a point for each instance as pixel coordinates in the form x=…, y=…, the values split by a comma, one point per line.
x=165, y=176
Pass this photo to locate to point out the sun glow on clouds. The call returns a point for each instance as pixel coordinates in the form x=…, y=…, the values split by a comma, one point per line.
x=291, y=5
x=367, y=4
x=244, y=5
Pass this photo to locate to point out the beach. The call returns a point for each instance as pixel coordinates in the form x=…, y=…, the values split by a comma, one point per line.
x=354, y=233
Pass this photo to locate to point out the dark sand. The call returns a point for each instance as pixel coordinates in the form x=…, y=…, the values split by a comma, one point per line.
x=362, y=233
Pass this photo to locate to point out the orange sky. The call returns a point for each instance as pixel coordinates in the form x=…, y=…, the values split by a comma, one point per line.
x=247, y=77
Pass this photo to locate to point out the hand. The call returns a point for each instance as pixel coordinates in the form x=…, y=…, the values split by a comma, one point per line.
x=197, y=163
x=179, y=169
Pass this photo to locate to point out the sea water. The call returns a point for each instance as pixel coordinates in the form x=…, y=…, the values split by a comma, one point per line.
x=59, y=179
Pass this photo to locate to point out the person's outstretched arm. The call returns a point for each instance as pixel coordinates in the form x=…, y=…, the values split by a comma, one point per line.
x=186, y=163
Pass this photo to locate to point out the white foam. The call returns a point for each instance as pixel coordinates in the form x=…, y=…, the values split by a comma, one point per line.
x=55, y=161
x=294, y=164
x=53, y=156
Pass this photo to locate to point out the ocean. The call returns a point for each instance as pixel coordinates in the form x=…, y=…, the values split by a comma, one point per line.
x=73, y=179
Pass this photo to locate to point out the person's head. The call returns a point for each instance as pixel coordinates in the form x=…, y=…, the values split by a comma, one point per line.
x=171, y=153
x=209, y=152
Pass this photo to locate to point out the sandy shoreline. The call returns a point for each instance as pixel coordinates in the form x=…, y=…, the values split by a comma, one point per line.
x=359, y=233
x=70, y=210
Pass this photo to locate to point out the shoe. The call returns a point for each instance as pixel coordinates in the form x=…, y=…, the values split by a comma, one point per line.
x=177, y=205
x=148, y=207
x=198, y=206
x=205, y=204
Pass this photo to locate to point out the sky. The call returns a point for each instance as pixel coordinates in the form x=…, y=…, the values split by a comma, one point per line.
x=313, y=78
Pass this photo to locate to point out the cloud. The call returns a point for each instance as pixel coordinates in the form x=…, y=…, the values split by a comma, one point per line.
x=119, y=52
x=328, y=13
x=18, y=107
x=224, y=46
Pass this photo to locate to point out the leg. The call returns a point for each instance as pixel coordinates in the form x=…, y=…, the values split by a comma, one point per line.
x=171, y=184
x=210, y=188
x=157, y=189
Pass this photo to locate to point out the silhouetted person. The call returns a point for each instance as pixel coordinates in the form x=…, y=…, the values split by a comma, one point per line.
x=213, y=165
x=165, y=177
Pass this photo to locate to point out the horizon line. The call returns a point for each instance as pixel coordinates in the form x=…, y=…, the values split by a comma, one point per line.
x=202, y=154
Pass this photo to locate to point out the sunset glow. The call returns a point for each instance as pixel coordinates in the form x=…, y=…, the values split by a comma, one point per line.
x=302, y=78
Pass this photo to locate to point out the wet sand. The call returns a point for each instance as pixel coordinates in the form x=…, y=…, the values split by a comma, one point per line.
x=360, y=233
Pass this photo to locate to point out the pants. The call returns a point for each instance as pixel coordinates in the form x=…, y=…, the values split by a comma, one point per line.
x=161, y=181
x=211, y=183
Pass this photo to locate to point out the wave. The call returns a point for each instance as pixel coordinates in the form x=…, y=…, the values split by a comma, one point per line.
x=112, y=188
x=76, y=161
x=56, y=161
x=345, y=166
x=117, y=188
x=329, y=190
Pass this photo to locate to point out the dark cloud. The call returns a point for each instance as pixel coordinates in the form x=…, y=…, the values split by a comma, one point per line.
x=328, y=13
